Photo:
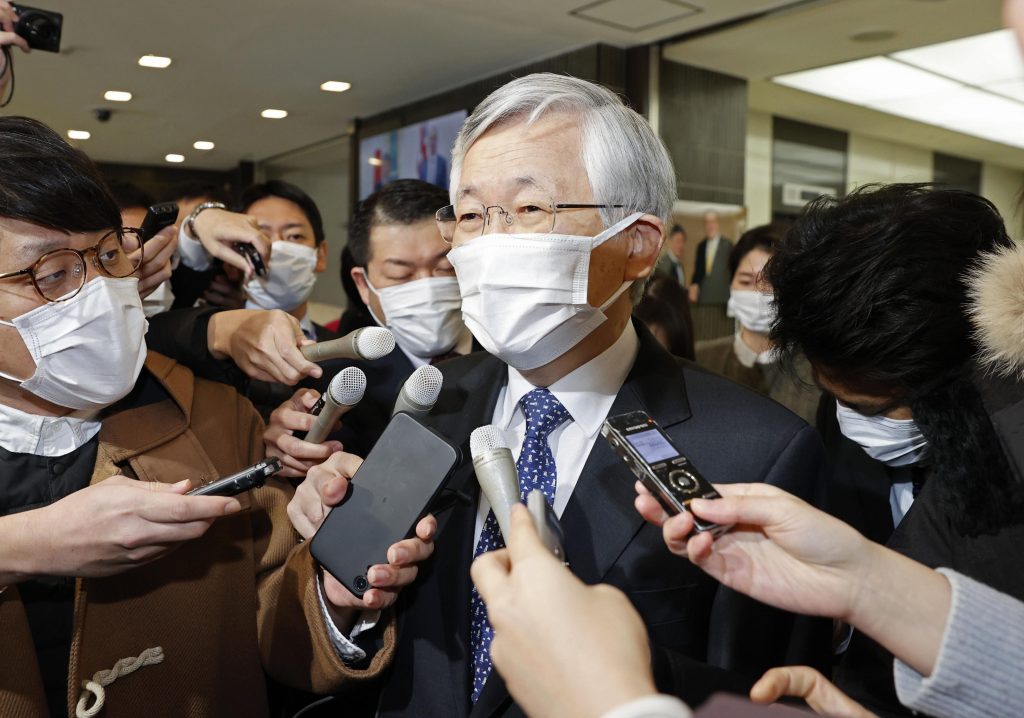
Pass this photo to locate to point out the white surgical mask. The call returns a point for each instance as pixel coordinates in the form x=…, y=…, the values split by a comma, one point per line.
x=894, y=442
x=89, y=349
x=753, y=310
x=424, y=315
x=291, y=275
x=524, y=296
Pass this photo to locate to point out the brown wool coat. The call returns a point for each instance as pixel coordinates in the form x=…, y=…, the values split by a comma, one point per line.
x=224, y=608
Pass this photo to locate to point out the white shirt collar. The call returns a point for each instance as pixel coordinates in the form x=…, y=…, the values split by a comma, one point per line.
x=23, y=433
x=587, y=392
x=748, y=357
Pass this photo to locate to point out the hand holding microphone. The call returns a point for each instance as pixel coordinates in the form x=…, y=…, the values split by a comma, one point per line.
x=419, y=392
x=367, y=343
x=345, y=391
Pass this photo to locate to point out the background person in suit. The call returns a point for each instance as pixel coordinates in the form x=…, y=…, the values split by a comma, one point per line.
x=711, y=270
x=433, y=168
x=562, y=355
x=671, y=261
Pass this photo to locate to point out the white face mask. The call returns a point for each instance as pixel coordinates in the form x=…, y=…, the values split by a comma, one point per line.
x=424, y=315
x=524, y=296
x=88, y=350
x=290, y=278
x=894, y=442
x=753, y=310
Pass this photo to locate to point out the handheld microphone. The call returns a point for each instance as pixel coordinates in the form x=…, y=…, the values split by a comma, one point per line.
x=345, y=391
x=419, y=392
x=365, y=343
x=496, y=472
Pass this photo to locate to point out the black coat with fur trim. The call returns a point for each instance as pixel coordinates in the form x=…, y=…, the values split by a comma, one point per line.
x=967, y=517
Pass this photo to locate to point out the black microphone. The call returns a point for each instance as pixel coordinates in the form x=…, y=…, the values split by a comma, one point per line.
x=366, y=343
x=496, y=472
x=419, y=392
x=345, y=391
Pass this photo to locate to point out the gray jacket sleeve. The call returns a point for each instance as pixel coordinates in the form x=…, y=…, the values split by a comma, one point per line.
x=980, y=666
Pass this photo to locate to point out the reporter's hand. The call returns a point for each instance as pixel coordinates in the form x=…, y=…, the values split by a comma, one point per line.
x=821, y=695
x=224, y=292
x=325, y=486
x=156, y=260
x=693, y=293
x=297, y=456
x=218, y=230
x=782, y=551
x=545, y=619
x=263, y=343
x=8, y=18
x=119, y=523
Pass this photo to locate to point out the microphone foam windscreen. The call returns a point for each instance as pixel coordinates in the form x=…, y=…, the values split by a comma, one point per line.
x=375, y=342
x=348, y=385
x=424, y=385
x=486, y=438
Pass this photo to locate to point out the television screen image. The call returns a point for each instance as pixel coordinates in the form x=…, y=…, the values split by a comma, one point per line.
x=422, y=150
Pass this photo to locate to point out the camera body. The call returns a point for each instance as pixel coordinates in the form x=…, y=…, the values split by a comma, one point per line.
x=41, y=28
x=663, y=469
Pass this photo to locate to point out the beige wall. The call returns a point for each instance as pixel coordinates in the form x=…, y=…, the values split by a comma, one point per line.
x=1003, y=186
x=757, y=181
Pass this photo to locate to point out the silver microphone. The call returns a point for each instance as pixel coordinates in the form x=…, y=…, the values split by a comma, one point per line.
x=345, y=391
x=365, y=343
x=419, y=392
x=496, y=472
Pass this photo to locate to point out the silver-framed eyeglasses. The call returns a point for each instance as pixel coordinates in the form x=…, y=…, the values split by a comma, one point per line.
x=463, y=222
x=59, y=275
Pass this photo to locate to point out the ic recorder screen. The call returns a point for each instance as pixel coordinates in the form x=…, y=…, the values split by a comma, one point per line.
x=652, y=446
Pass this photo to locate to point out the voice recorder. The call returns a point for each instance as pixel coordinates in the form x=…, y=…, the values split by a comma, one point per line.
x=664, y=470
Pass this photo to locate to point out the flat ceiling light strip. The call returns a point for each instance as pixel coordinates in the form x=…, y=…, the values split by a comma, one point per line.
x=951, y=85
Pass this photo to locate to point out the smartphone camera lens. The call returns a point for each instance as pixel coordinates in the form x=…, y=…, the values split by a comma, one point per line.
x=361, y=583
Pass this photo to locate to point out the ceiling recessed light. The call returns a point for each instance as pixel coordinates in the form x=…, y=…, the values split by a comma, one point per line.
x=203, y=145
x=274, y=114
x=117, y=96
x=79, y=134
x=156, y=61
x=174, y=158
x=335, y=86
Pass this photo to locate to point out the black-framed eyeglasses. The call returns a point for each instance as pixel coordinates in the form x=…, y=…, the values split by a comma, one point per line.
x=59, y=275
x=463, y=222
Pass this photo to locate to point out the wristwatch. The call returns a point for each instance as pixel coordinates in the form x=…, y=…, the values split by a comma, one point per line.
x=190, y=229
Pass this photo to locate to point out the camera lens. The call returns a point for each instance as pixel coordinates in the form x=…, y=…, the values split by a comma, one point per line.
x=40, y=27
x=361, y=583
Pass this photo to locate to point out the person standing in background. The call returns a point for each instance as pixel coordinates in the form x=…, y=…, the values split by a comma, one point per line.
x=671, y=262
x=711, y=272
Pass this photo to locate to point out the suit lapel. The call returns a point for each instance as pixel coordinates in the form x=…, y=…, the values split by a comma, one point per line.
x=599, y=520
x=464, y=404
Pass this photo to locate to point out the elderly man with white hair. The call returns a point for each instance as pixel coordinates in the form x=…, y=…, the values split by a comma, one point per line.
x=559, y=196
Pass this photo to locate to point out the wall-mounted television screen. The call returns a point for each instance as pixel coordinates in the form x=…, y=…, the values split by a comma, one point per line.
x=422, y=150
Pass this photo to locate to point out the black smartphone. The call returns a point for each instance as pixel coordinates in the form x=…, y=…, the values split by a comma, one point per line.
x=252, y=478
x=250, y=253
x=41, y=28
x=666, y=472
x=157, y=217
x=392, y=490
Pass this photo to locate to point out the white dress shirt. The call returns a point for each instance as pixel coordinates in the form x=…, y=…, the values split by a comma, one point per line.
x=654, y=706
x=748, y=357
x=587, y=393
x=50, y=436
x=193, y=253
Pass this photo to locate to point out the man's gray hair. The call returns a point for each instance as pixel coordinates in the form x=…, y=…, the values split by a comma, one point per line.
x=626, y=162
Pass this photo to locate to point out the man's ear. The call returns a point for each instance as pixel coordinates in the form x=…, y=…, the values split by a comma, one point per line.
x=646, y=237
x=321, y=257
x=359, y=277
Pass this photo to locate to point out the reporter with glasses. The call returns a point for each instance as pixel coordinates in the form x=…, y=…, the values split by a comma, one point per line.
x=106, y=567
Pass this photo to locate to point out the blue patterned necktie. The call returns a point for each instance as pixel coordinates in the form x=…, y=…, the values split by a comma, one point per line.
x=536, y=469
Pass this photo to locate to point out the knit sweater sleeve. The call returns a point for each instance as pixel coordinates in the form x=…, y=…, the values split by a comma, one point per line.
x=980, y=664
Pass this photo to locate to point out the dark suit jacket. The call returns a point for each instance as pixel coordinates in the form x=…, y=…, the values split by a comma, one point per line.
x=731, y=434
x=714, y=287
